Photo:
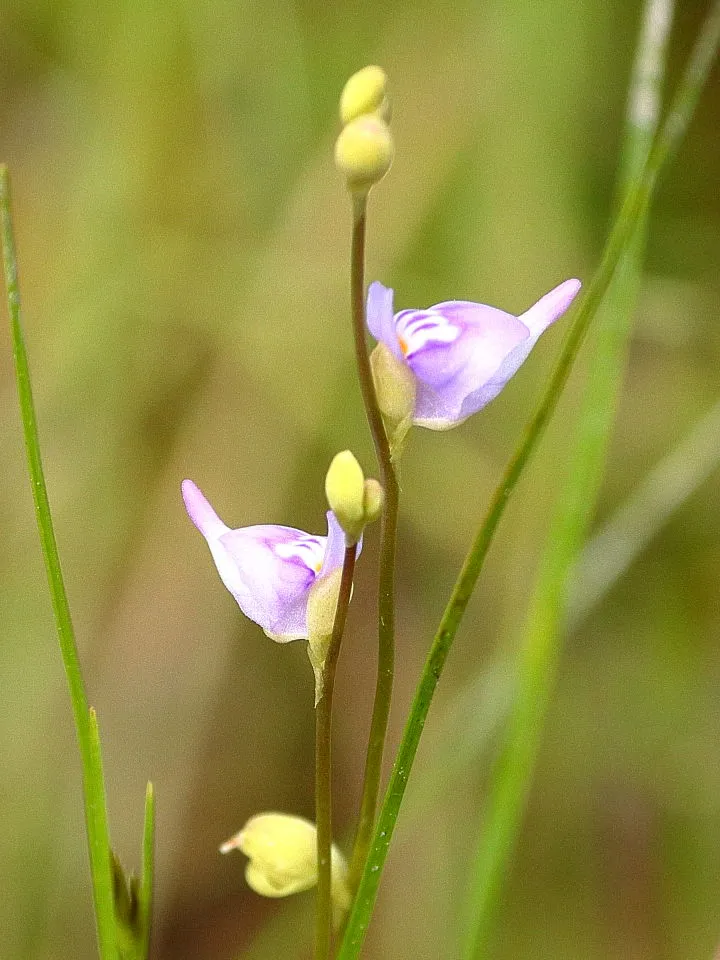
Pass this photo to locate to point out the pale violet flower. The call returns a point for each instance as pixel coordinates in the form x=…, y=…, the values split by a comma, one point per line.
x=461, y=354
x=269, y=569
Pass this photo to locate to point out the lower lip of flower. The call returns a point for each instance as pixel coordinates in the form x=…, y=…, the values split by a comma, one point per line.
x=308, y=552
x=418, y=329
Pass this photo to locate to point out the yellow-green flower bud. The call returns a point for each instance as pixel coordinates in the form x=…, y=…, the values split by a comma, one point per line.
x=282, y=852
x=373, y=500
x=322, y=604
x=365, y=92
x=395, y=388
x=344, y=489
x=363, y=152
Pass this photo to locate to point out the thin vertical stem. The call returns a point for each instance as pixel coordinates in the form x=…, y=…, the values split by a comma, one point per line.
x=632, y=211
x=85, y=722
x=323, y=764
x=386, y=576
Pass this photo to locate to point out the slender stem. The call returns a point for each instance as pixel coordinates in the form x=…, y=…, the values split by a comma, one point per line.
x=85, y=724
x=503, y=811
x=323, y=764
x=633, y=209
x=386, y=576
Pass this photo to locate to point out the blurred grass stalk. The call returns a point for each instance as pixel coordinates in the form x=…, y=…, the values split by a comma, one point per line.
x=670, y=483
x=86, y=725
x=466, y=733
x=512, y=773
x=520, y=745
x=84, y=716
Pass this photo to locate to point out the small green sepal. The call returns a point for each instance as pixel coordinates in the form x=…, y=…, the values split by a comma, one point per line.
x=395, y=389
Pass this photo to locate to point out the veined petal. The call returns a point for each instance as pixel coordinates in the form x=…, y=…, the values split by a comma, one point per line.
x=268, y=568
x=462, y=353
x=448, y=374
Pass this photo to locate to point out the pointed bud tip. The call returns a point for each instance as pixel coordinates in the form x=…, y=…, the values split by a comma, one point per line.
x=344, y=488
x=365, y=92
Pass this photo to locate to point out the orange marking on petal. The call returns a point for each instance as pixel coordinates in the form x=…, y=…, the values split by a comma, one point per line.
x=403, y=346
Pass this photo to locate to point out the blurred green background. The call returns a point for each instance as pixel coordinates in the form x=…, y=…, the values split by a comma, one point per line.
x=184, y=241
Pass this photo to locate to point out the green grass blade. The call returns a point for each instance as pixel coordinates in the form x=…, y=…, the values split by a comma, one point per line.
x=85, y=721
x=148, y=872
x=512, y=773
x=633, y=210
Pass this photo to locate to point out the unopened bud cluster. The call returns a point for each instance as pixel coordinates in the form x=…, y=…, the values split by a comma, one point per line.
x=354, y=500
x=364, y=149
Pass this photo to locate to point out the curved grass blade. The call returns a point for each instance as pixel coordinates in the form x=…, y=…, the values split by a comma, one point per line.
x=512, y=773
x=669, y=484
x=147, y=878
x=85, y=719
x=633, y=209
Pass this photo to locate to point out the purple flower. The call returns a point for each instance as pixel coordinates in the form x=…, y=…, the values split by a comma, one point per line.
x=269, y=569
x=461, y=354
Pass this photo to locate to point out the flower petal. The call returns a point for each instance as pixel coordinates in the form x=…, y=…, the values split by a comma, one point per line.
x=448, y=373
x=335, y=548
x=200, y=512
x=548, y=308
x=462, y=353
x=380, y=320
x=268, y=569
x=537, y=319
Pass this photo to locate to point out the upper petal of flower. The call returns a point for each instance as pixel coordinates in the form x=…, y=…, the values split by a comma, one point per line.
x=269, y=569
x=380, y=320
x=335, y=546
